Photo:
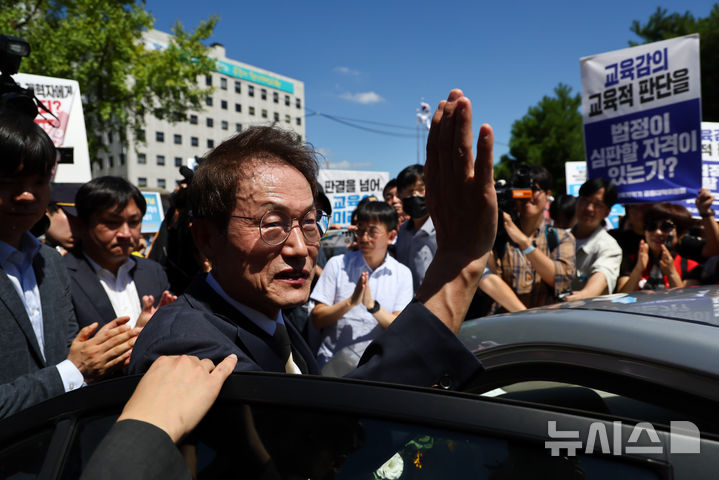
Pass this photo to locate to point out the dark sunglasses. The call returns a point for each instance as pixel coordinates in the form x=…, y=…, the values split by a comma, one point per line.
x=666, y=226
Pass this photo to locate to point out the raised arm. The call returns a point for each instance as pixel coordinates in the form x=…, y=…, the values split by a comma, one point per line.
x=463, y=206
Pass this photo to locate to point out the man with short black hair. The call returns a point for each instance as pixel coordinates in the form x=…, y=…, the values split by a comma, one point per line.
x=361, y=292
x=41, y=351
x=598, y=254
x=417, y=238
x=107, y=280
x=538, y=260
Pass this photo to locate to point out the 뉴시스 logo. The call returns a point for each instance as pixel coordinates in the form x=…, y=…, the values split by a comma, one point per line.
x=684, y=437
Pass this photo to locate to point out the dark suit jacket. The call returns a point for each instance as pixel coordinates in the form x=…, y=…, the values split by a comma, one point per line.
x=417, y=348
x=89, y=298
x=136, y=450
x=25, y=377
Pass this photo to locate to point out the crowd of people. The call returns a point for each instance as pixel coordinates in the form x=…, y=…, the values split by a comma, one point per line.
x=240, y=280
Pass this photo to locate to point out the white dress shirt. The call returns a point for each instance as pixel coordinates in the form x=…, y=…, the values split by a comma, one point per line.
x=258, y=318
x=120, y=289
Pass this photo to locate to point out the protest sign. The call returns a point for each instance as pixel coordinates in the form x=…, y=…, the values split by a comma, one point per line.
x=345, y=189
x=710, y=166
x=154, y=214
x=62, y=97
x=641, y=108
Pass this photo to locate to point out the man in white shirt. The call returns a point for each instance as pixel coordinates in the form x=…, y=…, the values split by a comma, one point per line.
x=598, y=255
x=361, y=292
x=41, y=352
x=107, y=280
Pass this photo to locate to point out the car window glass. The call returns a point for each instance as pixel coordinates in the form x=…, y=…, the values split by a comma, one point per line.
x=23, y=459
x=90, y=431
x=265, y=442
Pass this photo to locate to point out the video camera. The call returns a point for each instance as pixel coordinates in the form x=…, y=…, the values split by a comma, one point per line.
x=12, y=95
x=519, y=187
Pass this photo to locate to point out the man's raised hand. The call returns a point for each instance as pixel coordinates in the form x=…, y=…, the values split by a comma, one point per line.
x=463, y=206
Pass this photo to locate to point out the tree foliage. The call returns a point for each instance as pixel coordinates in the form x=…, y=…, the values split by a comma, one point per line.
x=549, y=135
x=663, y=25
x=99, y=44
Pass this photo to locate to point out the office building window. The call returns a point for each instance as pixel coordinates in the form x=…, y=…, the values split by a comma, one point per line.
x=251, y=90
x=238, y=87
x=264, y=113
x=194, y=141
x=225, y=125
x=223, y=83
x=287, y=100
x=141, y=158
x=276, y=116
x=110, y=161
x=275, y=97
x=109, y=137
x=208, y=80
x=223, y=104
x=287, y=119
x=141, y=135
x=178, y=161
x=122, y=159
x=238, y=127
x=161, y=183
x=178, y=139
x=193, y=119
x=160, y=136
x=210, y=143
x=263, y=93
x=208, y=101
x=141, y=181
x=160, y=159
x=238, y=107
x=252, y=110
x=298, y=103
x=210, y=122
x=298, y=120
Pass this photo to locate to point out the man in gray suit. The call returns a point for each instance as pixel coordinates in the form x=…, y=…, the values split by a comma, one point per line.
x=41, y=352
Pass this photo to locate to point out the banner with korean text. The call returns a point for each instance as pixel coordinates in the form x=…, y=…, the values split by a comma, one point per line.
x=642, y=111
x=345, y=189
x=710, y=166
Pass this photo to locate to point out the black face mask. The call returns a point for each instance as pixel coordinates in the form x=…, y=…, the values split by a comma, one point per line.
x=415, y=207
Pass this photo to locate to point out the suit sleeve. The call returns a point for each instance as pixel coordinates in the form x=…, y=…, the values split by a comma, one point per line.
x=27, y=390
x=137, y=450
x=418, y=349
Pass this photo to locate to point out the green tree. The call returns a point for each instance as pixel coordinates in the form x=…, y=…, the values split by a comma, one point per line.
x=663, y=25
x=549, y=135
x=99, y=44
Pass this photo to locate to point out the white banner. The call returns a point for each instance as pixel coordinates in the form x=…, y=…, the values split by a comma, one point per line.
x=345, y=189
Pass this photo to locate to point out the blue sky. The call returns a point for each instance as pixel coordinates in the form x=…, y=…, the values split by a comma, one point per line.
x=375, y=61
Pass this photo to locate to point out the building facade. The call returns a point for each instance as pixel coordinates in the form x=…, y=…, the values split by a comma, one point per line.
x=243, y=96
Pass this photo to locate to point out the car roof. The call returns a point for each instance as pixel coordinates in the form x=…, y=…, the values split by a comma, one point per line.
x=677, y=327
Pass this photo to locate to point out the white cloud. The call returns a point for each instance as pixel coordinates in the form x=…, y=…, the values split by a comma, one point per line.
x=345, y=165
x=365, y=98
x=347, y=71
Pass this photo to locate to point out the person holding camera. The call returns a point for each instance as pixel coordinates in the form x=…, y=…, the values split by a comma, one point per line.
x=537, y=261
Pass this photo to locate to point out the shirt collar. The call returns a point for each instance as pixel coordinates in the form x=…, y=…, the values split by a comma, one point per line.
x=29, y=247
x=258, y=318
x=125, y=267
x=382, y=265
x=590, y=237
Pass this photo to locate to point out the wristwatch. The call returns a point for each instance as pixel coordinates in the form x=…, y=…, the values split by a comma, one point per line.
x=375, y=308
x=708, y=213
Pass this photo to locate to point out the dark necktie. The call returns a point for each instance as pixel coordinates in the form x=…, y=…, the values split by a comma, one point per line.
x=282, y=341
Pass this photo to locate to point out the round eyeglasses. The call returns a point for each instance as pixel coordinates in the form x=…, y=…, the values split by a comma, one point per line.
x=275, y=226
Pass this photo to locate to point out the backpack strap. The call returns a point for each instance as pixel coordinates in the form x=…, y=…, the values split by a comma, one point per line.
x=552, y=238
